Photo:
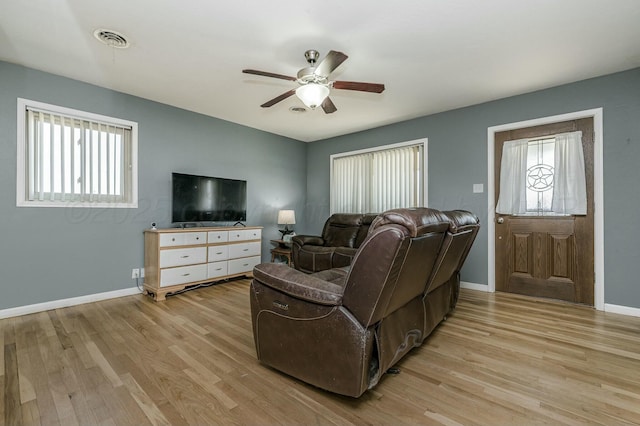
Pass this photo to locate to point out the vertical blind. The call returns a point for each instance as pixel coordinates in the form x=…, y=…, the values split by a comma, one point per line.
x=378, y=181
x=73, y=159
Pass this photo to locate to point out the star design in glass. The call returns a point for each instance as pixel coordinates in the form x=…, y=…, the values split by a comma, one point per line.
x=540, y=177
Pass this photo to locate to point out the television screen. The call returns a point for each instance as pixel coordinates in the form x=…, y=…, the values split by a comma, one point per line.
x=208, y=199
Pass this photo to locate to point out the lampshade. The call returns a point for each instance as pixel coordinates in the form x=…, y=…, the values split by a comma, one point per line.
x=312, y=94
x=286, y=217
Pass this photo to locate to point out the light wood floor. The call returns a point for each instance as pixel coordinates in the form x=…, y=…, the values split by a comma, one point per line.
x=498, y=359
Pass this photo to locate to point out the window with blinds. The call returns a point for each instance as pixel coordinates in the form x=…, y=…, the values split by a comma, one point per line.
x=68, y=157
x=375, y=180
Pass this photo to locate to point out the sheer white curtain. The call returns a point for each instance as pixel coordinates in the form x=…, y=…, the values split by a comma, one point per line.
x=569, y=181
x=570, y=186
x=513, y=178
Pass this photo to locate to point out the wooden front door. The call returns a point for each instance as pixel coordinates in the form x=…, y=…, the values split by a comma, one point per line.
x=547, y=256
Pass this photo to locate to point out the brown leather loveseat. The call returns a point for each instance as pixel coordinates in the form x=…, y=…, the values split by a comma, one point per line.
x=341, y=236
x=341, y=329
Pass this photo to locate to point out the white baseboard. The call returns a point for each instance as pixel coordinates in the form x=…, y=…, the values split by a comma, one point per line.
x=474, y=286
x=624, y=310
x=63, y=303
x=614, y=309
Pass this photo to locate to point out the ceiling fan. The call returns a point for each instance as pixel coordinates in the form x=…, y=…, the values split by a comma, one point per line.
x=314, y=82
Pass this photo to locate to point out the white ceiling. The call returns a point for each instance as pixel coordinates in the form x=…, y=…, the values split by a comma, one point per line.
x=432, y=55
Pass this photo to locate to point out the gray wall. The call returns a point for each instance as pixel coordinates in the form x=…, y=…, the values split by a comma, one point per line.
x=50, y=254
x=56, y=253
x=458, y=159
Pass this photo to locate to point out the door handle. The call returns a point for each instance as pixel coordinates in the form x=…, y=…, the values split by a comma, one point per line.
x=500, y=220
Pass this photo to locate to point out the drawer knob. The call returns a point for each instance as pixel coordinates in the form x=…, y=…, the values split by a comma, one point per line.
x=173, y=239
x=186, y=275
x=185, y=256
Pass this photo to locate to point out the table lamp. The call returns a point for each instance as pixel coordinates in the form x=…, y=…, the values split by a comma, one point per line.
x=286, y=217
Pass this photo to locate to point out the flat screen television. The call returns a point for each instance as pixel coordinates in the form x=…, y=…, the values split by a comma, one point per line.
x=207, y=199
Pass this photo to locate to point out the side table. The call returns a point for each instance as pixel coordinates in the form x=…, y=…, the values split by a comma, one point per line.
x=282, y=249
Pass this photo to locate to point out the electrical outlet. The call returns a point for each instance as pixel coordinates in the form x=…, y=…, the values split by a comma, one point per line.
x=135, y=273
x=141, y=272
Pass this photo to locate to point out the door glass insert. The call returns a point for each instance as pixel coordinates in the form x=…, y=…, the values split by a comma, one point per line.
x=540, y=176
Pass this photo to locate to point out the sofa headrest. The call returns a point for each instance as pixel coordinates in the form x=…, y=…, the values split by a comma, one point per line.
x=418, y=220
x=460, y=219
x=345, y=219
x=341, y=229
x=368, y=218
x=363, y=231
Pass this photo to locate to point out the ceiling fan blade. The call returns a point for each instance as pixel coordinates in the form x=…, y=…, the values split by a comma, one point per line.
x=277, y=99
x=269, y=74
x=362, y=87
x=328, y=106
x=330, y=63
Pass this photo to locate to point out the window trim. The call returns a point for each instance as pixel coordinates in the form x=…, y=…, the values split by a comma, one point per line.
x=21, y=170
x=425, y=175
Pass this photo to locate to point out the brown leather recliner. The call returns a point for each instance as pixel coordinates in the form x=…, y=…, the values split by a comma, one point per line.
x=341, y=329
x=341, y=236
x=463, y=229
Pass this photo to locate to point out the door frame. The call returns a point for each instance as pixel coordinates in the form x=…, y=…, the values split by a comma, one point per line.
x=598, y=197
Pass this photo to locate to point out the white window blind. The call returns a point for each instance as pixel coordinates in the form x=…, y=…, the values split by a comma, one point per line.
x=69, y=158
x=378, y=180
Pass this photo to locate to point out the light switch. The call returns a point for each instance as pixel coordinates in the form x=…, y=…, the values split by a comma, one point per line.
x=478, y=188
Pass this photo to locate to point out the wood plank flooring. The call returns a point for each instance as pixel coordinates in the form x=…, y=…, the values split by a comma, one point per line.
x=498, y=360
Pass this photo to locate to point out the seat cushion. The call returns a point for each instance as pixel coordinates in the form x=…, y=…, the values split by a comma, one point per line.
x=334, y=275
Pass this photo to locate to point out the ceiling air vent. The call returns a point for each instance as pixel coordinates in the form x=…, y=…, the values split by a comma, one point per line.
x=111, y=38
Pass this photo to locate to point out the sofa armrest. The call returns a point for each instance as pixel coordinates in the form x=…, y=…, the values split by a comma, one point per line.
x=313, y=240
x=297, y=284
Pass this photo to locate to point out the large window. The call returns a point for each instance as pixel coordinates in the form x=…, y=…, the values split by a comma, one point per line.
x=375, y=180
x=73, y=158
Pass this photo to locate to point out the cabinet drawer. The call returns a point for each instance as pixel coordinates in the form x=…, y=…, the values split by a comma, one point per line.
x=244, y=250
x=180, y=257
x=217, y=253
x=217, y=269
x=245, y=234
x=217, y=237
x=182, y=239
x=183, y=275
x=246, y=264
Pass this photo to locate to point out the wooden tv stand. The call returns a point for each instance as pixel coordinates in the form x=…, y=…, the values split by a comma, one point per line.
x=177, y=258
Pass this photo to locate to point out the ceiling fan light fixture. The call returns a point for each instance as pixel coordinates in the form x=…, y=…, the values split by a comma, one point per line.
x=312, y=94
x=315, y=84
